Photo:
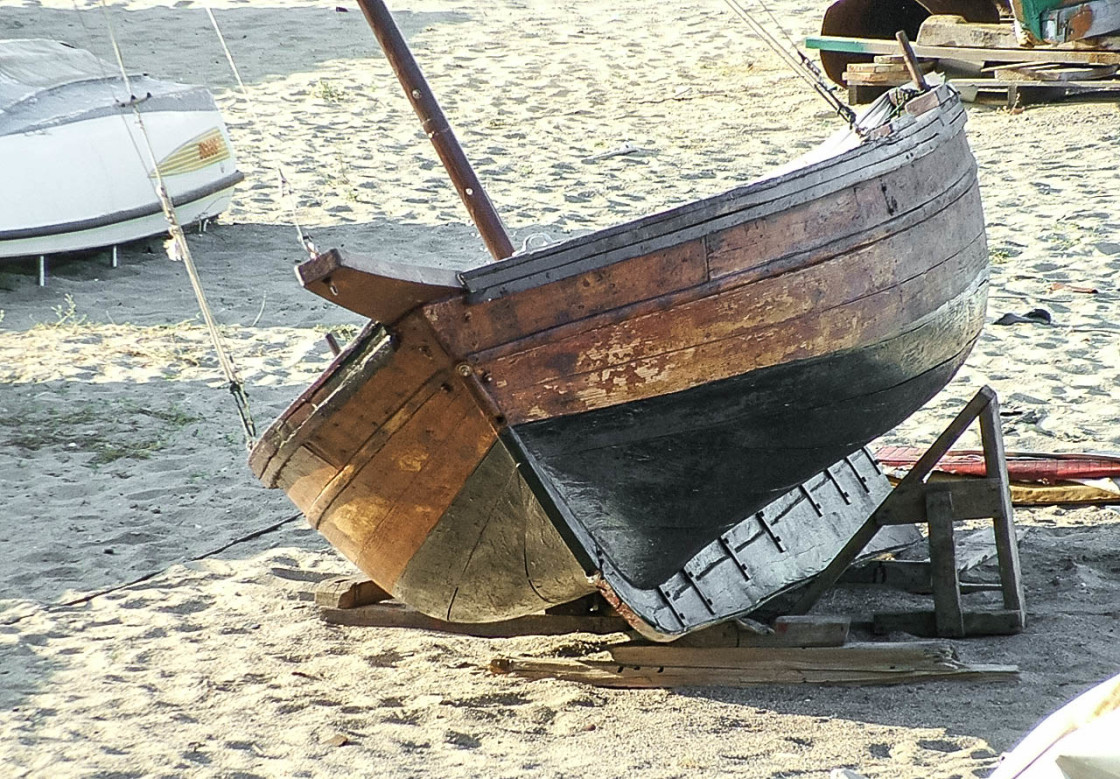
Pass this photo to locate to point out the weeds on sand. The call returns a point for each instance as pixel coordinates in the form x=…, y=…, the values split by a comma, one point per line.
x=111, y=431
x=66, y=314
x=328, y=92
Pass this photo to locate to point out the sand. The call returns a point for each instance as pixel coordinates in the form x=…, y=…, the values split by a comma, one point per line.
x=121, y=456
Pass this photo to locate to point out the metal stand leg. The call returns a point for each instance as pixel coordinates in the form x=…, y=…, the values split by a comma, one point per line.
x=113, y=262
x=42, y=270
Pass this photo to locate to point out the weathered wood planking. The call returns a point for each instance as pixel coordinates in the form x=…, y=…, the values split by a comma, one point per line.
x=467, y=329
x=663, y=353
x=781, y=191
x=672, y=666
x=365, y=386
x=396, y=497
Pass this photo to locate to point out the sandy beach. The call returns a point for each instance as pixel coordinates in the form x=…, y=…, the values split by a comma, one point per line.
x=153, y=611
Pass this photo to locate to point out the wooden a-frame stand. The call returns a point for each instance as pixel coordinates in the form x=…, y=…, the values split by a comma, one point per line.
x=939, y=505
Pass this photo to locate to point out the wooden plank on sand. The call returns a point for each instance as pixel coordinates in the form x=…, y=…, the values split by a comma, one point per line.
x=667, y=666
x=348, y=592
x=789, y=631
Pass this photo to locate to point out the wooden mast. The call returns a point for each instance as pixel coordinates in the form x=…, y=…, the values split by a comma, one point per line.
x=439, y=132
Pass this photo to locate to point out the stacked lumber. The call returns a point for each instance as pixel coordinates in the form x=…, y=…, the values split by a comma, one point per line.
x=985, y=62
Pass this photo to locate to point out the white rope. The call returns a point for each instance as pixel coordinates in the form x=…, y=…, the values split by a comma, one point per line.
x=288, y=194
x=179, y=250
x=796, y=59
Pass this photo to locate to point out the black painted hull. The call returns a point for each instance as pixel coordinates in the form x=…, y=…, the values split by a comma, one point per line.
x=656, y=480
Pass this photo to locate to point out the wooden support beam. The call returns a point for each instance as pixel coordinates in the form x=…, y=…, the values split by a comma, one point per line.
x=1030, y=93
x=940, y=504
x=348, y=592
x=972, y=499
x=391, y=614
x=972, y=550
x=998, y=622
x=788, y=631
x=943, y=563
x=1007, y=545
x=669, y=666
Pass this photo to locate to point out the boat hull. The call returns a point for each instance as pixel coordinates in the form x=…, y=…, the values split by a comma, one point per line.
x=648, y=389
x=82, y=158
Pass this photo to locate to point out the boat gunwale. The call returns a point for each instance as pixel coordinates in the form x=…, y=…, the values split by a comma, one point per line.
x=617, y=242
x=779, y=266
x=118, y=217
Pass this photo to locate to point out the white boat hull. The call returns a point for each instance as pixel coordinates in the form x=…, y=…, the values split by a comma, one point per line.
x=79, y=164
x=87, y=186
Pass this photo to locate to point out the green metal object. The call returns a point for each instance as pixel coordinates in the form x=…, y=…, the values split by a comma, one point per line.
x=1059, y=21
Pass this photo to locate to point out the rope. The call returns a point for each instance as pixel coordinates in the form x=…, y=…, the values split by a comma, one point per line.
x=797, y=60
x=179, y=250
x=287, y=191
x=54, y=607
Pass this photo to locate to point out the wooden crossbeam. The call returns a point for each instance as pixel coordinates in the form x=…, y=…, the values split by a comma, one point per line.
x=874, y=46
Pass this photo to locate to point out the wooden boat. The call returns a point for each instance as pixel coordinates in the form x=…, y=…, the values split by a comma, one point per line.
x=69, y=135
x=671, y=410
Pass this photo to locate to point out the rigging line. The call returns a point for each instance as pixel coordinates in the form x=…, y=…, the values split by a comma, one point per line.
x=801, y=55
x=181, y=250
x=778, y=25
x=792, y=58
x=288, y=193
x=88, y=597
x=800, y=64
x=796, y=60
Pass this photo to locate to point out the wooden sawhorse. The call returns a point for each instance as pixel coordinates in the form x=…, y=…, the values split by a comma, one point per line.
x=939, y=505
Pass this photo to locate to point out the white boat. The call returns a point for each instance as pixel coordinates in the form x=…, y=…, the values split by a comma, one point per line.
x=75, y=170
x=1081, y=740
